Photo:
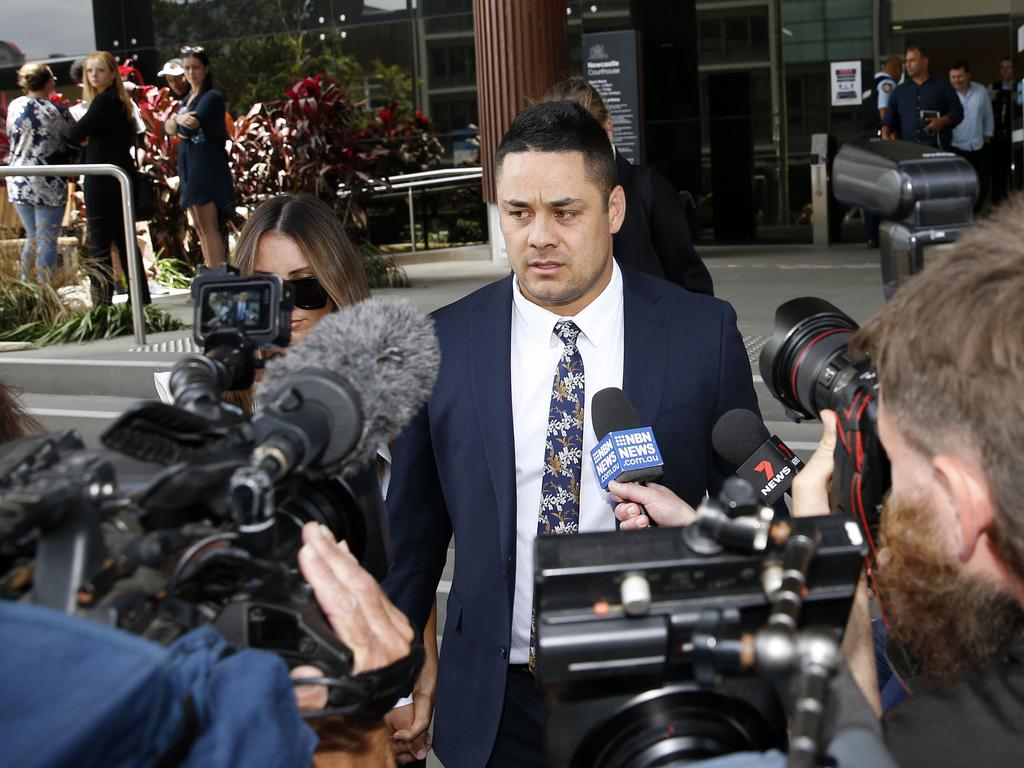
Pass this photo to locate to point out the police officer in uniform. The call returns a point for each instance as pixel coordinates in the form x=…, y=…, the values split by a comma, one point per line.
x=876, y=102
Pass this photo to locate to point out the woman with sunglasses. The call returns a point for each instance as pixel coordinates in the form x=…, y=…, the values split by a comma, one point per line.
x=299, y=238
x=109, y=129
x=207, y=190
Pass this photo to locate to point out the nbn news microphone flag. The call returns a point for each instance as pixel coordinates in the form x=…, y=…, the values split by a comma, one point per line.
x=627, y=455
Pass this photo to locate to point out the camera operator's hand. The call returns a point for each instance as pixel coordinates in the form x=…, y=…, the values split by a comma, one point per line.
x=358, y=610
x=810, y=487
x=663, y=506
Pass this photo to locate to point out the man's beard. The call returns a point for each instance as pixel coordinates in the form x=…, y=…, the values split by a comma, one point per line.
x=943, y=624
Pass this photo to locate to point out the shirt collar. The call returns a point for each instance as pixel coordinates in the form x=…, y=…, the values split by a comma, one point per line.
x=594, y=320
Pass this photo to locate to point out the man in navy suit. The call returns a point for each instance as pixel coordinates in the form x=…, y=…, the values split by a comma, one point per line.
x=477, y=461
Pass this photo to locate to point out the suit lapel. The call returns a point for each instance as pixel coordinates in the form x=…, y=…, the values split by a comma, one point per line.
x=491, y=380
x=645, y=346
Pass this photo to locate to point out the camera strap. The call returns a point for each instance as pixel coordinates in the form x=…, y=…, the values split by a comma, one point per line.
x=371, y=695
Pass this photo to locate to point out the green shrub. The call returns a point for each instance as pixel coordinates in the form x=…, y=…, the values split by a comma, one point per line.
x=381, y=269
x=36, y=313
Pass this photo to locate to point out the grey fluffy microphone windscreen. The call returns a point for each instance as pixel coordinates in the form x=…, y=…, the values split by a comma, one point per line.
x=385, y=351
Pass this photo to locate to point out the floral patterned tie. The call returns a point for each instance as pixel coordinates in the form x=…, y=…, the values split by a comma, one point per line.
x=563, y=448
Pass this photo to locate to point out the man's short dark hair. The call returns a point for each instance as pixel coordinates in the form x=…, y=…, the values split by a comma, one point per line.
x=920, y=51
x=960, y=64
x=560, y=127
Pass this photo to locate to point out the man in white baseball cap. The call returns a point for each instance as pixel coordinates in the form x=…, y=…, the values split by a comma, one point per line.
x=174, y=73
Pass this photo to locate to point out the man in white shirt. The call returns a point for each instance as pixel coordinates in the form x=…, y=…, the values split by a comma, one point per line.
x=972, y=136
x=500, y=453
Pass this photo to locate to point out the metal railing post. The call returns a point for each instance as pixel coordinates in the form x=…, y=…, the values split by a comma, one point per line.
x=412, y=222
x=128, y=210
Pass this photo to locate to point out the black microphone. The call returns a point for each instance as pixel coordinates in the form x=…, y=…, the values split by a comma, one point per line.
x=763, y=460
x=348, y=388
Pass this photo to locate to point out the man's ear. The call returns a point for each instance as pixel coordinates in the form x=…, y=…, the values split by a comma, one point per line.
x=963, y=485
x=616, y=208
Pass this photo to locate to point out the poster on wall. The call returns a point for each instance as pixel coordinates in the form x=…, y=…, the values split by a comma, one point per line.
x=845, y=79
x=610, y=66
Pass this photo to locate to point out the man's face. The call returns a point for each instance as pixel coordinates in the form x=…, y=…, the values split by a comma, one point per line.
x=558, y=228
x=943, y=621
x=177, y=84
x=1006, y=70
x=959, y=79
x=916, y=64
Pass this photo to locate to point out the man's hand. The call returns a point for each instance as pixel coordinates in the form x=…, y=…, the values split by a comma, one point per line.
x=887, y=133
x=408, y=724
x=410, y=740
x=811, y=485
x=935, y=124
x=664, y=507
x=358, y=610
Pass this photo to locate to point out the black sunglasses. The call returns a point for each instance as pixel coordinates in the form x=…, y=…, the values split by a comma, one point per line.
x=308, y=293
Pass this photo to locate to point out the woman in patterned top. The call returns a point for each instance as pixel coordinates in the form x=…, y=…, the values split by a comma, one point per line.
x=39, y=130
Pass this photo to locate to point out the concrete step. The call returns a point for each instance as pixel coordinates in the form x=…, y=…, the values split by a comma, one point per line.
x=90, y=414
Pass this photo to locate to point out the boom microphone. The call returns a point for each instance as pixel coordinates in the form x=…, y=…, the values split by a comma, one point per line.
x=626, y=452
x=763, y=460
x=349, y=387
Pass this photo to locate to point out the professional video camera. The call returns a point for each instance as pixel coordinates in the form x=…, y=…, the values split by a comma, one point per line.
x=680, y=644
x=193, y=516
x=807, y=365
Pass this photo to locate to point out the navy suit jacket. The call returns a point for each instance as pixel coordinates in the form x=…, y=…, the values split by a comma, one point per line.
x=454, y=472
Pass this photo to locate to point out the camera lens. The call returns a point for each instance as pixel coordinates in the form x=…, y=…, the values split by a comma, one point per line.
x=801, y=361
x=681, y=724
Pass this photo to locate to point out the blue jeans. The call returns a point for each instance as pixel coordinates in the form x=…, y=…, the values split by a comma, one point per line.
x=42, y=227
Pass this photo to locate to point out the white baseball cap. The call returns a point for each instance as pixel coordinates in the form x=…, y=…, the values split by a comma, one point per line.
x=172, y=67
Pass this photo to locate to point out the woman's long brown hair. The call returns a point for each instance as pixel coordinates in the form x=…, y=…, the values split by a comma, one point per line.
x=315, y=229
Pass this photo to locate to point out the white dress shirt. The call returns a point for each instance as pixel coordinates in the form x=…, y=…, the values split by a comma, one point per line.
x=535, y=354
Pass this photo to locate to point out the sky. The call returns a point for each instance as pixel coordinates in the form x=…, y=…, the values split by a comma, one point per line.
x=41, y=28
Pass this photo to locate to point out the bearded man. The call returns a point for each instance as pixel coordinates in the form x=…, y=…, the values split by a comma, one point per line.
x=949, y=353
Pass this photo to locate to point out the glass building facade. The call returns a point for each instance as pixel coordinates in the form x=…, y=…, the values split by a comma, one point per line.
x=715, y=114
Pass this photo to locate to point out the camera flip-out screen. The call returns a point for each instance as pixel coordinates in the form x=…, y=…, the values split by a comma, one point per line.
x=246, y=306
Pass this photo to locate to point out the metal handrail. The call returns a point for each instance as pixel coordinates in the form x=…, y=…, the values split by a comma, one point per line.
x=127, y=203
x=435, y=178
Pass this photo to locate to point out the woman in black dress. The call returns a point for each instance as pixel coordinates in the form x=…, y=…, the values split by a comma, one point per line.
x=110, y=132
x=207, y=189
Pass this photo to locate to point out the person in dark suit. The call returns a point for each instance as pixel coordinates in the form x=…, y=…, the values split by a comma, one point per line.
x=654, y=236
x=499, y=454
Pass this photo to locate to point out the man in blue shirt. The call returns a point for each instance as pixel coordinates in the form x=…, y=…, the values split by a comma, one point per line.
x=972, y=136
x=923, y=109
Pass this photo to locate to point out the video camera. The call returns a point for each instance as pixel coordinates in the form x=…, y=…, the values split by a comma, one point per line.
x=807, y=365
x=653, y=654
x=194, y=513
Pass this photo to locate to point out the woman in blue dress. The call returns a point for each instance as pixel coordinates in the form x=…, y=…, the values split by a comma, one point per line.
x=206, y=187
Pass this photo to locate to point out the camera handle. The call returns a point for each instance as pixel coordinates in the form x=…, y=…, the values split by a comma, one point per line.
x=779, y=650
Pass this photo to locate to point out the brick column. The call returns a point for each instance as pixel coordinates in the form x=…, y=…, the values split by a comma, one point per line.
x=522, y=49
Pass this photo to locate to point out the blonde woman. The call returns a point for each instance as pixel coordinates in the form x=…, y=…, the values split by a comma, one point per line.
x=109, y=130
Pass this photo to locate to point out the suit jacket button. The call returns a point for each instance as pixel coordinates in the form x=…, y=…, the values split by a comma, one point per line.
x=502, y=651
